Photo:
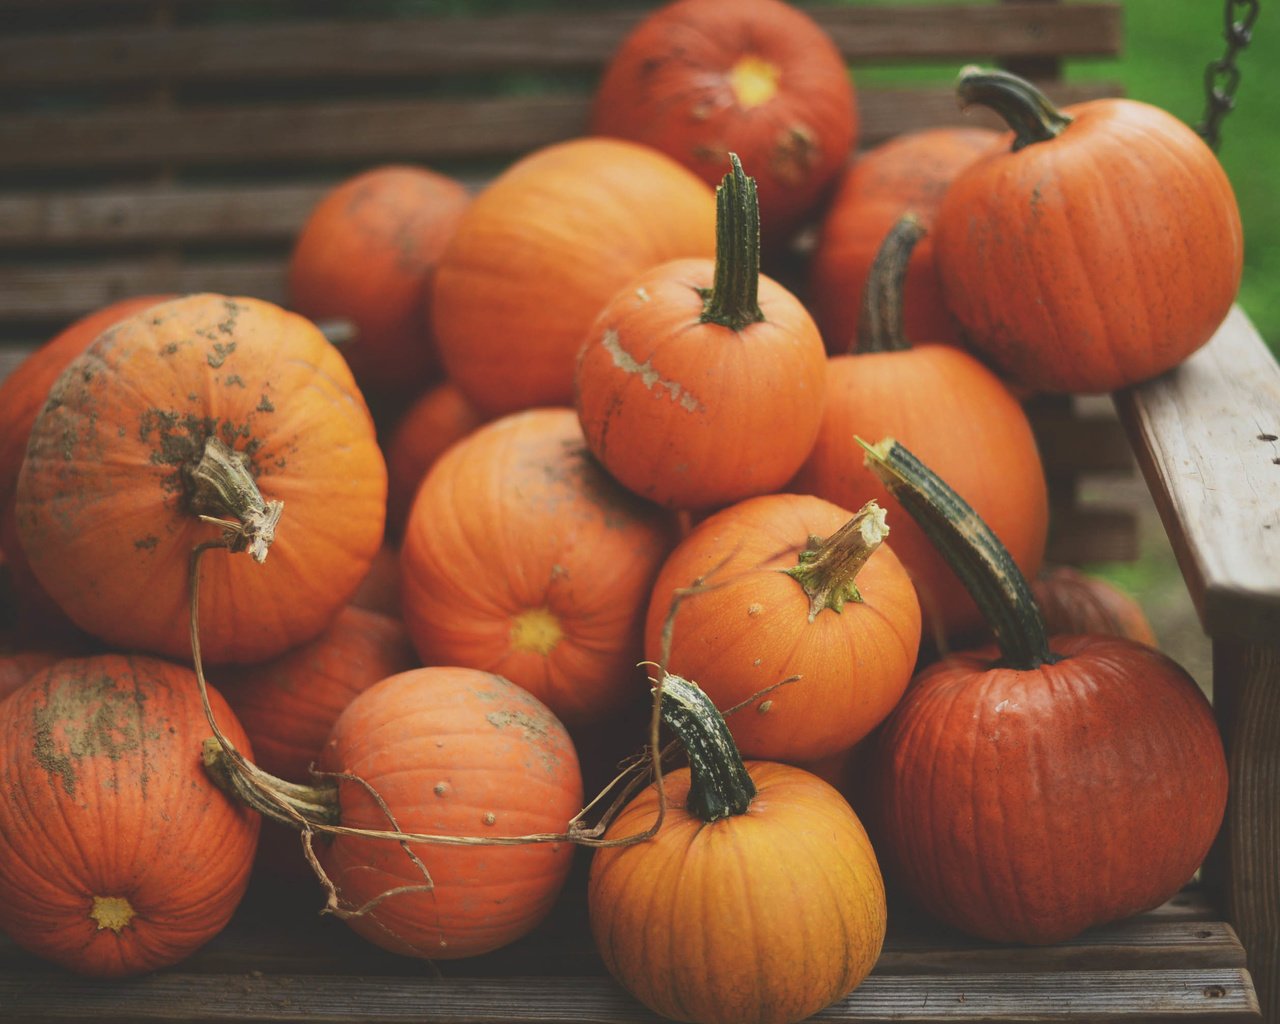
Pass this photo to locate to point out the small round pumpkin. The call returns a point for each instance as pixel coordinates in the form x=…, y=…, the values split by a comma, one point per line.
x=755, y=863
x=117, y=854
x=908, y=174
x=701, y=383
x=1100, y=248
x=158, y=422
x=539, y=252
x=794, y=587
x=1077, y=602
x=523, y=557
x=366, y=254
x=700, y=79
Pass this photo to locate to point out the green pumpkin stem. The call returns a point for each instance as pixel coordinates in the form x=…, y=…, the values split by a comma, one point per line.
x=733, y=300
x=1022, y=106
x=270, y=796
x=828, y=569
x=719, y=785
x=972, y=550
x=880, y=323
x=221, y=490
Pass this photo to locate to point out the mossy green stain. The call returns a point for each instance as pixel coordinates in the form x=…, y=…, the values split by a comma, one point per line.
x=265, y=405
x=220, y=352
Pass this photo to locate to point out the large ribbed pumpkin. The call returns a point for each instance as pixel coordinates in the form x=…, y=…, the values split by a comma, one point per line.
x=539, y=252
x=118, y=466
x=117, y=854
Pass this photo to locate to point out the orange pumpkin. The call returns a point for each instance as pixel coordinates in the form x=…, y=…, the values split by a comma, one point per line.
x=795, y=587
x=1076, y=602
x=755, y=863
x=524, y=558
x=366, y=254
x=161, y=418
x=678, y=382
x=952, y=411
x=1101, y=247
x=700, y=79
x=907, y=174
x=539, y=252
x=117, y=854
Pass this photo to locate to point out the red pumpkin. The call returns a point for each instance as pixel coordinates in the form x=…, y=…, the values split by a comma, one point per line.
x=795, y=588
x=540, y=251
x=954, y=413
x=1073, y=780
x=1076, y=602
x=700, y=79
x=22, y=395
x=16, y=667
x=907, y=174
x=755, y=863
x=366, y=254
x=524, y=558
x=1101, y=248
x=678, y=384
x=120, y=463
x=450, y=752
x=433, y=422
x=117, y=854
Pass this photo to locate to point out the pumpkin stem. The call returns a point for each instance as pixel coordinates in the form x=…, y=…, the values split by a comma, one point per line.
x=880, y=322
x=289, y=803
x=973, y=551
x=1022, y=106
x=221, y=490
x=733, y=300
x=828, y=569
x=719, y=785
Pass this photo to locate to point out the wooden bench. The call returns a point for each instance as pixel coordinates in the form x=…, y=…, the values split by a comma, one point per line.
x=177, y=145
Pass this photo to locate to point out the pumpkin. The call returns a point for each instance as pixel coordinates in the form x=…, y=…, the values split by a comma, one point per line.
x=699, y=79
x=366, y=254
x=22, y=395
x=755, y=863
x=950, y=409
x=1100, y=248
x=908, y=174
x=523, y=557
x=1076, y=602
x=379, y=591
x=163, y=419
x=794, y=586
x=454, y=753
x=539, y=252
x=17, y=666
x=432, y=423
x=1038, y=787
x=700, y=383
x=117, y=854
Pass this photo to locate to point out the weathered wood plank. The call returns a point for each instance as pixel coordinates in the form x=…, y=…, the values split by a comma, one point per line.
x=1201, y=995
x=1207, y=438
x=445, y=46
x=405, y=129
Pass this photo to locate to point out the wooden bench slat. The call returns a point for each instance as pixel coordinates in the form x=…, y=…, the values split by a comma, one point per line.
x=1207, y=438
x=445, y=46
x=1200, y=995
x=408, y=129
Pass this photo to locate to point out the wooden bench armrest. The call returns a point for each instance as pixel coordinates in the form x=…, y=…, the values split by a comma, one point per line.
x=1207, y=438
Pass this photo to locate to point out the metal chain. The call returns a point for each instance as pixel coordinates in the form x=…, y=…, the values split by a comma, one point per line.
x=1222, y=77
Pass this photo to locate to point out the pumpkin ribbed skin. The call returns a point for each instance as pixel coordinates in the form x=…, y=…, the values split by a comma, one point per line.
x=101, y=502
x=104, y=801
x=452, y=751
x=1076, y=602
x=541, y=250
x=523, y=557
x=909, y=173
x=16, y=667
x=699, y=79
x=750, y=629
x=1095, y=259
x=366, y=254
x=759, y=918
x=960, y=419
x=1030, y=805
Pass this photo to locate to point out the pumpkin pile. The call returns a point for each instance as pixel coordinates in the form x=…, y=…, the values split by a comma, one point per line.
x=532, y=481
